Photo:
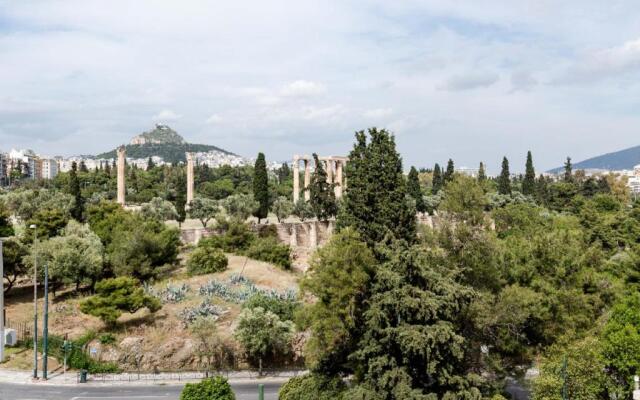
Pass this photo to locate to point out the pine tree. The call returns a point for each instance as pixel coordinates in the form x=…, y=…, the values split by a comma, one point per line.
x=321, y=195
x=283, y=173
x=529, y=181
x=448, y=174
x=436, y=182
x=482, y=175
x=261, y=187
x=375, y=203
x=77, y=210
x=504, y=180
x=568, y=170
x=415, y=191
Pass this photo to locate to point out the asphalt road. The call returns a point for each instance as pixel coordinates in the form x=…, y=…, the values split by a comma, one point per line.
x=10, y=391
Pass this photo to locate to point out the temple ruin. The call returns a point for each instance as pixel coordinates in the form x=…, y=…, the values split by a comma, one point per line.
x=334, y=165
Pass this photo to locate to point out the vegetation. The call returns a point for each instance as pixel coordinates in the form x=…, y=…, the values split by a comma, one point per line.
x=321, y=195
x=261, y=187
x=115, y=296
x=206, y=260
x=263, y=335
x=210, y=389
x=312, y=387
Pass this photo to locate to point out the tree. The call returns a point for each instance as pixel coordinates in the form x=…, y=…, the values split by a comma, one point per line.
x=206, y=260
x=216, y=388
x=240, y=206
x=261, y=187
x=529, y=182
x=6, y=227
x=115, y=296
x=77, y=209
x=504, y=180
x=437, y=182
x=159, y=209
x=14, y=252
x=284, y=173
x=339, y=278
x=375, y=203
x=415, y=191
x=210, y=348
x=180, y=205
x=150, y=164
x=48, y=222
x=313, y=387
x=448, y=174
x=568, y=171
x=83, y=167
x=322, y=196
x=465, y=198
x=302, y=209
x=204, y=210
x=262, y=334
x=621, y=338
x=282, y=207
x=482, y=175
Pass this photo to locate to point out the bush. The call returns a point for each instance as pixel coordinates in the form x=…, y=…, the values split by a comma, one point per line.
x=107, y=338
x=265, y=231
x=217, y=388
x=206, y=260
x=263, y=335
x=237, y=237
x=285, y=309
x=269, y=250
x=312, y=387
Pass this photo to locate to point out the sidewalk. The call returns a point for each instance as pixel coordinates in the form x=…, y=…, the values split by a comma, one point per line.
x=135, y=379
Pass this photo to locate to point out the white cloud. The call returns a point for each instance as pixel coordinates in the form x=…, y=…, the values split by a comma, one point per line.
x=166, y=115
x=303, y=88
x=214, y=119
x=377, y=113
x=469, y=81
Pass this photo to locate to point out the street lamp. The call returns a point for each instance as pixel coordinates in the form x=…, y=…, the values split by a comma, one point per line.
x=1, y=305
x=35, y=302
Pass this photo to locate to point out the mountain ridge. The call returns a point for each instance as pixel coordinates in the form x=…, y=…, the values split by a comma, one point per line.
x=616, y=160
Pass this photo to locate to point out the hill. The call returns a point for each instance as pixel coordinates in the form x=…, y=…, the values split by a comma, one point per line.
x=623, y=159
x=162, y=142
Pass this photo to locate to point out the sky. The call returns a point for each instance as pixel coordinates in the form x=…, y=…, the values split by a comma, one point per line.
x=468, y=80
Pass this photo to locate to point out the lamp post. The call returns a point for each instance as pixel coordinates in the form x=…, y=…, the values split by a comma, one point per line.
x=1, y=305
x=35, y=302
x=45, y=328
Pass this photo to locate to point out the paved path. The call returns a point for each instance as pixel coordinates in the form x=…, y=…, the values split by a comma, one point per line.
x=37, y=391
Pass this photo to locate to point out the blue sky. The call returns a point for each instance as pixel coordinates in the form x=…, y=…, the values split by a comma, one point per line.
x=468, y=80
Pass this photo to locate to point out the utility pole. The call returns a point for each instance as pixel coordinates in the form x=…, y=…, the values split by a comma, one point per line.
x=35, y=302
x=45, y=331
x=1, y=305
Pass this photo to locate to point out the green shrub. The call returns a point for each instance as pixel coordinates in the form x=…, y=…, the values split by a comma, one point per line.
x=206, y=260
x=208, y=389
x=271, y=251
x=312, y=387
x=265, y=231
x=107, y=338
x=285, y=309
x=238, y=237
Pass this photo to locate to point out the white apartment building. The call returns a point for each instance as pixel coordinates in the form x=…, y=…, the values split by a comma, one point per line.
x=48, y=168
x=634, y=180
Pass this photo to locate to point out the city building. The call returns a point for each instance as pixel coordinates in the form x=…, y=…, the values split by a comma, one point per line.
x=48, y=168
x=634, y=181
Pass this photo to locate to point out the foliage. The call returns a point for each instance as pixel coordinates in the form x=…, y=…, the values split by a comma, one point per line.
x=262, y=334
x=13, y=251
x=284, y=308
x=415, y=191
x=303, y=210
x=25, y=203
x=529, y=181
x=437, y=182
x=6, y=227
x=464, y=198
x=621, y=338
x=312, y=387
x=504, y=179
x=240, y=206
x=206, y=260
x=216, y=388
x=448, y=173
x=48, y=222
x=211, y=350
x=115, y=296
x=322, y=196
x=170, y=294
x=204, y=210
x=77, y=210
x=239, y=289
x=206, y=309
x=107, y=339
x=159, y=209
x=271, y=251
x=375, y=202
x=282, y=207
x=261, y=187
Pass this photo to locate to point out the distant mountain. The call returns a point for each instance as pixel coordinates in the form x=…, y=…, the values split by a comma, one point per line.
x=163, y=142
x=623, y=159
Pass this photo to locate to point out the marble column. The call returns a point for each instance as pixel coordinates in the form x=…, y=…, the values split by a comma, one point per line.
x=338, y=180
x=121, y=173
x=329, y=165
x=190, y=179
x=293, y=237
x=307, y=179
x=313, y=234
x=296, y=179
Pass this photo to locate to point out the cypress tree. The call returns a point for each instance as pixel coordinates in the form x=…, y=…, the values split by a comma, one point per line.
x=482, y=175
x=107, y=168
x=568, y=170
x=414, y=190
x=436, y=183
x=542, y=190
x=504, y=180
x=74, y=190
x=375, y=203
x=529, y=182
x=180, y=201
x=150, y=164
x=448, y=174
x=261, y=187
x=321, y=196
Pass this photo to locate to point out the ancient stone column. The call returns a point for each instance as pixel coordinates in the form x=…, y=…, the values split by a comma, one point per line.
x=293, y=238
x=329, y=165
x=190, y=178
x=307, y=179
x=313, y=235
x=338, y=180
x=121, y=172
x=296, y=179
